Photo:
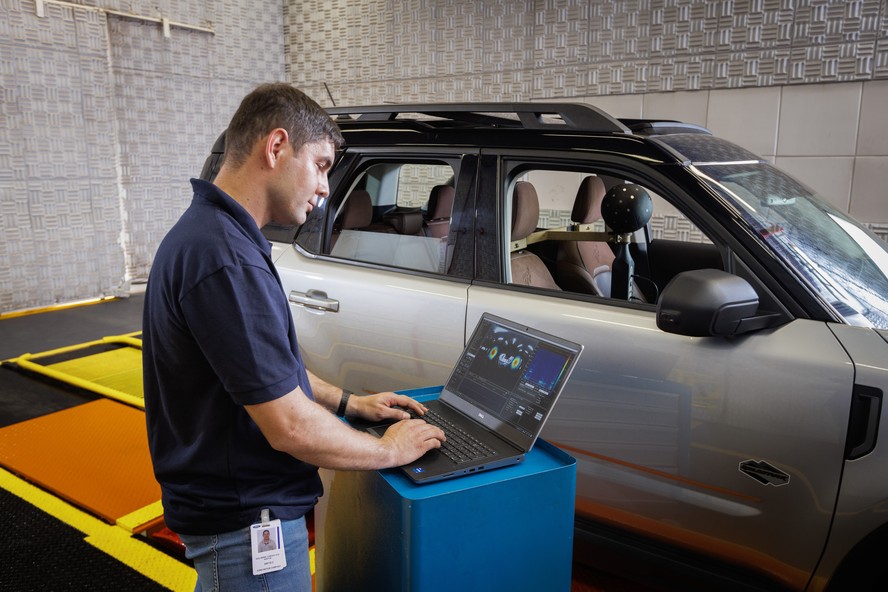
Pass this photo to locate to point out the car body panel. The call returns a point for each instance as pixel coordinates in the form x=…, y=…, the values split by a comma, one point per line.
x=863, y=502
x=397, y=331
x=659, y=424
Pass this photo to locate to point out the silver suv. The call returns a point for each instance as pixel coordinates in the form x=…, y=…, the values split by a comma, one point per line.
x=725, y=414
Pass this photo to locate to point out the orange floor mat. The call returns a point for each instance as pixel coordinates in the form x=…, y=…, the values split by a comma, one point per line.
x=94, y=455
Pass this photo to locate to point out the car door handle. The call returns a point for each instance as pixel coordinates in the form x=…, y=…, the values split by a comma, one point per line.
x=315, y=300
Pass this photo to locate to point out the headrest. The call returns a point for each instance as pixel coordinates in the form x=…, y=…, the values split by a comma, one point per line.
x=358, y=210
x=405, y=222
x=587, y=205
x=440, y=202
x=525, y=210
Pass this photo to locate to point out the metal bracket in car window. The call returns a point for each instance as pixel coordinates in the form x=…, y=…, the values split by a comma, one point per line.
x=580, y=232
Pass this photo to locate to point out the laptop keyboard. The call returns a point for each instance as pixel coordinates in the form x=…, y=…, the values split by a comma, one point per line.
x=460, y=446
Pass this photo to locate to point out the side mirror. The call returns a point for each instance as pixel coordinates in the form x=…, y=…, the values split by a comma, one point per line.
x=706, y=302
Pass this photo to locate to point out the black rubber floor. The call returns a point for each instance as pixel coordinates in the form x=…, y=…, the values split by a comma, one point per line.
x=38, y=552
x=35, y=333
x=26, y=396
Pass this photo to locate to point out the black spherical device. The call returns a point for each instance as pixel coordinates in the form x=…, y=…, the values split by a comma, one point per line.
x=626, y=208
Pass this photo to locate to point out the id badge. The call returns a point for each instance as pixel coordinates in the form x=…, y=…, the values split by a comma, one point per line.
x=268, y=546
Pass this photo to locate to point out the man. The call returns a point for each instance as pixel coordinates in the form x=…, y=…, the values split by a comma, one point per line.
x=236, y=424
x=266, y=544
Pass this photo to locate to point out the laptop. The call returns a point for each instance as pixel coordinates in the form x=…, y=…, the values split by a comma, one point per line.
x=499, y=395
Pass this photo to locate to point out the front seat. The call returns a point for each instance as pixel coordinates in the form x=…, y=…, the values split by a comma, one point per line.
x=584, y=266
x=357, y=213
x=527, y=269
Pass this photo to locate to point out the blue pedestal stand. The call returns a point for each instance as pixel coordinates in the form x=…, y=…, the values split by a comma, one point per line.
x=508, y=529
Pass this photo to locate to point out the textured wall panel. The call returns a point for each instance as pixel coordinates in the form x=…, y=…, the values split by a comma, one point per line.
x=61, y=217
x=561, y=33
x=173, y=96
x=104, y=121
x=571, y=48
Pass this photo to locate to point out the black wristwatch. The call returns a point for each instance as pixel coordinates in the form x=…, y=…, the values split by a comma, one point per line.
x=343, y=403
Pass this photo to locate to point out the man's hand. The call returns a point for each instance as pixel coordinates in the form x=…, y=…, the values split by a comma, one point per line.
x=383, y=406
x=409, y=439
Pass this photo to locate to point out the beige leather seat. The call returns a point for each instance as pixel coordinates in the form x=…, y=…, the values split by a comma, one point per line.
x=584, y=266
x=356, y=214
x=526, y=268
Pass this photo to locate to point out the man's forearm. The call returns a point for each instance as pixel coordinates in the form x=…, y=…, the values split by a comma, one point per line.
x=325, y=394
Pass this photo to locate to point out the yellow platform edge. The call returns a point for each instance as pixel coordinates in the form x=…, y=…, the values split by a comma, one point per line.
x=26, y=361
x=140, y=519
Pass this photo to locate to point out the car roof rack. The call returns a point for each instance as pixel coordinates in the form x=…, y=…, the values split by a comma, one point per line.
x=659, y=127
x=538, y=116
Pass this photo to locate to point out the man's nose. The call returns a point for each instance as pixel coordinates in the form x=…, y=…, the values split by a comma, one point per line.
x=323, y=187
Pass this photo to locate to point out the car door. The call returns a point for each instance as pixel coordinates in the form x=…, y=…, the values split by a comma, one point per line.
x=726, y=448
x=377, y=306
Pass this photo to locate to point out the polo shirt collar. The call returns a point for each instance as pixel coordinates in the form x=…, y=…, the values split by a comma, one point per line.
x=206, y=191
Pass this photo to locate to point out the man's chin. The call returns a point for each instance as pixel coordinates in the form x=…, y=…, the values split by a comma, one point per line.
x=294, y=220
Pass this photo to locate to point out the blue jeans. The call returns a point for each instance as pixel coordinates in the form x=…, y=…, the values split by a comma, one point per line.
x=224, y=562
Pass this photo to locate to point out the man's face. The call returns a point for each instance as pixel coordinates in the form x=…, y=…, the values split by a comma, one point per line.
x=265, y=536
x=301, y=180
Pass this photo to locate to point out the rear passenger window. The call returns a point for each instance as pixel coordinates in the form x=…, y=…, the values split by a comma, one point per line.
x=397, y=214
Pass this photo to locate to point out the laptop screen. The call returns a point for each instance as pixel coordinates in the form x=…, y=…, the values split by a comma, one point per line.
x=511, y=375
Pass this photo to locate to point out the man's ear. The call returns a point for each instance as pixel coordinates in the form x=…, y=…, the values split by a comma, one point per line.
x=275, y=143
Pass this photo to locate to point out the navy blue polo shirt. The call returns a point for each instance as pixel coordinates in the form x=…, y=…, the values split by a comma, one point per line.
x=217, y=334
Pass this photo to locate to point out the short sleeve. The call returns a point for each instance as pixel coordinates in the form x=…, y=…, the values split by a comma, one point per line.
x=241, y=320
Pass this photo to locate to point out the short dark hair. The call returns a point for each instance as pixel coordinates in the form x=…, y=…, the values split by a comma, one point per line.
x=273, y=105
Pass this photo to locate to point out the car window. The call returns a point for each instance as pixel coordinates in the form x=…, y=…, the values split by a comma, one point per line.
x=839, y=259
x=397, y=214
x=578, y=253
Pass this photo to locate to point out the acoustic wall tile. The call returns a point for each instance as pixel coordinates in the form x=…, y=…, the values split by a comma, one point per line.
x=682, y=27
x=561, y=33
x=880, y=60
x=769, y=67
x=819, y=120
x=366, y=32
x=90, y=259
x=136, y=43
x=553, y=82
x=248, y=44
x=167, y=107
x=21, y=25
x=764, y=24
x=618, y=31
x=688, y=73
x=507, y=35
x=821, y=22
